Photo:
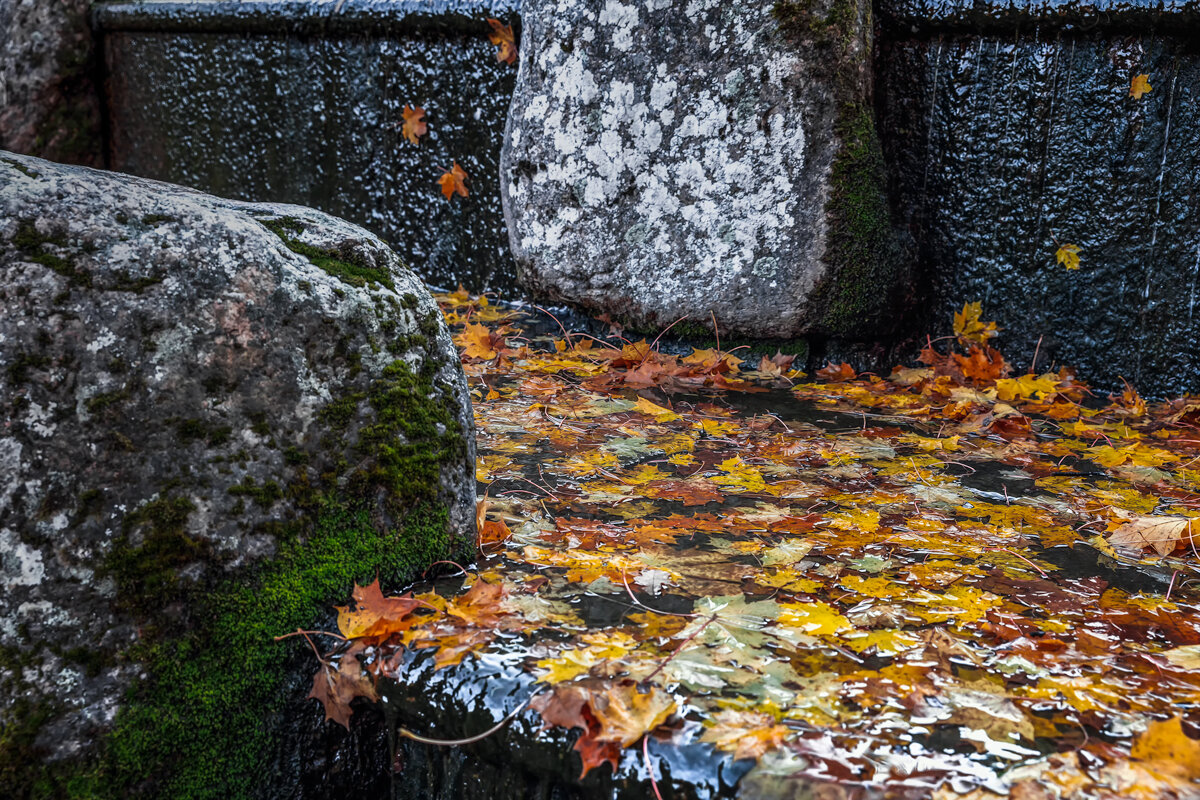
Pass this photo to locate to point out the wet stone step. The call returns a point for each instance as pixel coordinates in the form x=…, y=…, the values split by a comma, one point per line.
x=302, y=102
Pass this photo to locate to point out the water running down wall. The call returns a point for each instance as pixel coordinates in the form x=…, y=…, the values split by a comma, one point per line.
x=301, y=102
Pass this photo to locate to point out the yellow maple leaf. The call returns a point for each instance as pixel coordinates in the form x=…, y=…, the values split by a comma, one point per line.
x=1068, y=256
x=1139, y=86
x=740, y=475
x=660, y=414
x=1170, y=749
x=812, y=618
x=1026, y=387
x=967, y=325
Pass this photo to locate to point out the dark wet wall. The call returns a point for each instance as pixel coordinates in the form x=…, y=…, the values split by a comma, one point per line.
x=1010, y=133
x=289, y=102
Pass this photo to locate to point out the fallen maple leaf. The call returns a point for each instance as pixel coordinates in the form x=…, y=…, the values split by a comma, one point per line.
x=1068, y=256
x=968, y=327
x=335, y=689
x=1170, y=749
x=1139, y=86
x=746, y=734
x=626, y=713
x=502, y=36
x=480, y=341
x=375, y=615
x=453, y=181
x=414, y=126
x=836, y=373
x=1162, y=534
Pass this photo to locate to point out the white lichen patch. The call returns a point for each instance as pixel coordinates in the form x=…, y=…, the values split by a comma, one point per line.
x=662, y=156
x=20, y=564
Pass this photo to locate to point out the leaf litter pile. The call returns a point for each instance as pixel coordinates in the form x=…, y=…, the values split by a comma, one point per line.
x=956, y=581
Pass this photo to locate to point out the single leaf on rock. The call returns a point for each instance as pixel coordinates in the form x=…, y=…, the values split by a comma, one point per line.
x=414, y=124
x=454, y=181
x=1068, y=256
x=502, y=36
x=335, y=689
x=1139, y=86
x=968, y=326
x=1162, y=534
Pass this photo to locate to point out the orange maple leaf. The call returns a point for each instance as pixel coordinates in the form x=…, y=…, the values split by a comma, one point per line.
x=375, y=615
x=502, y=36
x=479, y=341
x=414, y=126
x=454, y=181
x=984, y=364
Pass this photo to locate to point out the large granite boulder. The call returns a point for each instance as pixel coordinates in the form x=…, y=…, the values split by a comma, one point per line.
x=217, y=415
x=49, y=99
x=668, y=160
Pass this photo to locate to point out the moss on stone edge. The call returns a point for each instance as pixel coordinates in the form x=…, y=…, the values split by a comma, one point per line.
x=202, y=723
x=862, y=252
x=346, y=265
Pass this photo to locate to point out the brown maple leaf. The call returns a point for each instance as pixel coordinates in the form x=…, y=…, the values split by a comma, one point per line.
x=335, y=689
x=414, y=126
x=837, y=373
x=746, y=734
x=502, y=36
x=1161, y=534
x=454, y=181
x=982, y=364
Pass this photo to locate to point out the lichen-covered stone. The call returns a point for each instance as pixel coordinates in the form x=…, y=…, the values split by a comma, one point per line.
x=668, y=160
x=216, y=416
x=49, y=102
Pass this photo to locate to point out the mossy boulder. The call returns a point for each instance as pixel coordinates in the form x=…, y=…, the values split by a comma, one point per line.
x=218, y=415
x=710, y=159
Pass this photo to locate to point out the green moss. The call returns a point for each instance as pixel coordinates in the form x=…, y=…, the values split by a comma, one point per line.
x=122, y=281
x=104, y=400
x=203, y=724
x=144, y=567
x=346, y=265
x=19, y=167
x=31, y=244
x=863, y=253
x=862, y=248
x=192, y=430
x=25, y=361
x=265, y=495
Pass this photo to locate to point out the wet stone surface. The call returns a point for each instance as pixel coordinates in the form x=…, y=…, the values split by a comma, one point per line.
x=665, y=162
x=284, y=102
x=1007, y=145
